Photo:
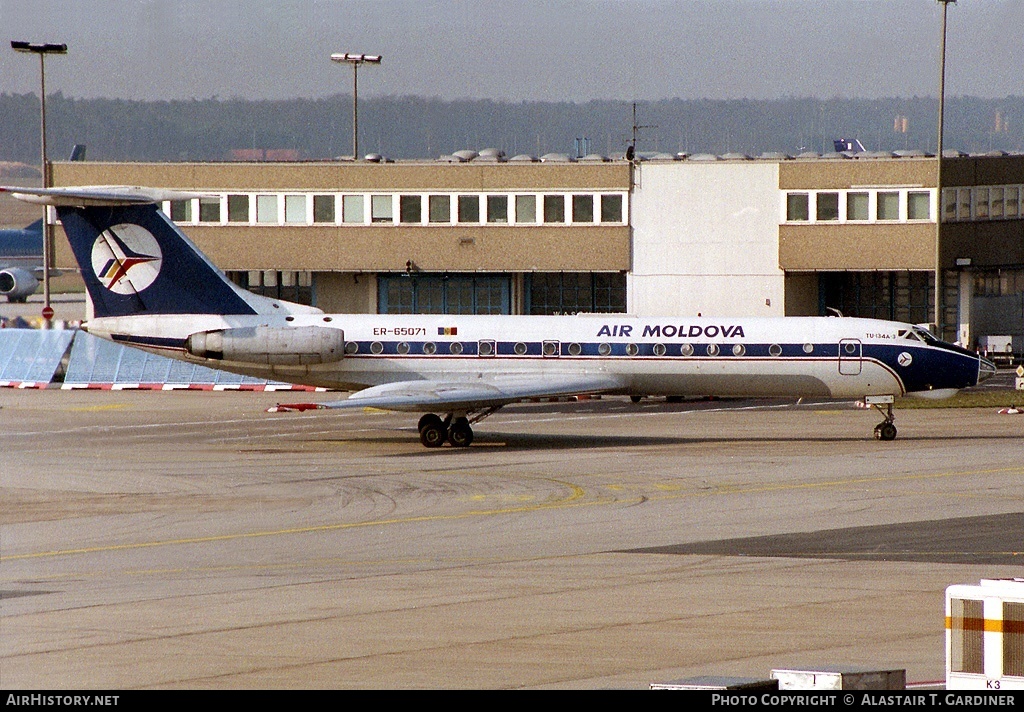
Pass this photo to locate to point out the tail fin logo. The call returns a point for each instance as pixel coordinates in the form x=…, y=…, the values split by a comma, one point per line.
x=126, y=258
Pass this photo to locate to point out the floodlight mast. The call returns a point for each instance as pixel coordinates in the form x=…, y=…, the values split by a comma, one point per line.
x=939, y=286
x=355, y=60
x=42, y=49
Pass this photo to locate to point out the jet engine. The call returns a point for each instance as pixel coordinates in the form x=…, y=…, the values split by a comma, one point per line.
x=17, y=284
x=285, y=346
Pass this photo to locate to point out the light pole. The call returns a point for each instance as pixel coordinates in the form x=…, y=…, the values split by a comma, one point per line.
x=939, y=325
x=355, y=60
x=42, y=49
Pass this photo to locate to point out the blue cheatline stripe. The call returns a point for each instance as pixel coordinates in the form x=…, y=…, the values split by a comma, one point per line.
x=150, y=341
x=593, y=349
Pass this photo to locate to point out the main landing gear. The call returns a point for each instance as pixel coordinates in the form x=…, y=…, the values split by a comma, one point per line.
x=886, y=430
x=455, y=429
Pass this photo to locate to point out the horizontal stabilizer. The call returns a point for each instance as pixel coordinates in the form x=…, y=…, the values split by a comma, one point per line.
x=97, y=195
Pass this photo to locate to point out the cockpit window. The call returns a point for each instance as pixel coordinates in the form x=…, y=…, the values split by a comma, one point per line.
x=924, y=335
x=910, y=334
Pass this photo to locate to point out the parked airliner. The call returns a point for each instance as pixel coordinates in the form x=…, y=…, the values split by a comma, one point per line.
x=151, y=287
x=21, y=260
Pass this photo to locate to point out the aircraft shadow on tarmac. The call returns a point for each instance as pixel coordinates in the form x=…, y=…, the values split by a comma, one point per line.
x=995, y=539
x=519, y=441
x=508, y=441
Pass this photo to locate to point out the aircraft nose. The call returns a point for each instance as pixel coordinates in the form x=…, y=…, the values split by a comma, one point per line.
x=986, y=369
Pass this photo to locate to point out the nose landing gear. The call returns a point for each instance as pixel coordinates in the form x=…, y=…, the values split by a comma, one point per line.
x=886, y=430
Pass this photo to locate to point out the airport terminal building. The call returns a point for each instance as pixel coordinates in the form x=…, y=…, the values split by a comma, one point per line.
x=668, y=235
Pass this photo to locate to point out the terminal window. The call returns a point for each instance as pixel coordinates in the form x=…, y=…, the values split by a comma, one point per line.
x=526, y=208
x=919, y=205
x=554, y=208
x=440, y=208
x=444, y=294
x=611, y=208
x=1011, y=203
x=409, y=209
x=266, y=208
x=575, y=292
x=238, y=208
x=828, y=206
x=323, y=208
x=352, y=209
x=981, y=203
x=469, y=208
x=856, y=206
x=380, y=208
x=582, y=208
x=963, y=211
x=995, y=205
x=209, y=210
x=888, y=205
x=295, y=209
x=181, y=210
x=797, y=207
x=497, y=208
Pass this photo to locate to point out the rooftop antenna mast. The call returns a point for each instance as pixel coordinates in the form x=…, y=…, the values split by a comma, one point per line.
x=631, y=151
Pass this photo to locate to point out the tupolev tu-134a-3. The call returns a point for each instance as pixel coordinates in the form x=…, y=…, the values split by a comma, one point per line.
x=151, y=288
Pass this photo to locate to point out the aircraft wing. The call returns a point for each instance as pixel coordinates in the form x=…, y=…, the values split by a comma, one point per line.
x=443, y=396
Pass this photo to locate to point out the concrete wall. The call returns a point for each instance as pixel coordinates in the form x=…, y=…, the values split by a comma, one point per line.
x=345, y=293
x=705, y=240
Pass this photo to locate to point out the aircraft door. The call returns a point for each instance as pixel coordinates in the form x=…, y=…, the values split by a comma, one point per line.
x=850, y=352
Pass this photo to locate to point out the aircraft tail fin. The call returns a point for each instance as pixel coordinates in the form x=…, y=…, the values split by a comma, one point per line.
x=134, y=260
x=848, y=145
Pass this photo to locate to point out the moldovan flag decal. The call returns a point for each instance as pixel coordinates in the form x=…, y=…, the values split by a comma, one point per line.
x=447, y=331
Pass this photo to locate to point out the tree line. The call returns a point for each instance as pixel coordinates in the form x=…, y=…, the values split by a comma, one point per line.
x=405, y=127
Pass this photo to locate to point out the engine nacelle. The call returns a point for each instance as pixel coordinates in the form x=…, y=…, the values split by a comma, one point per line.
x=17, y=283
x=285, y=346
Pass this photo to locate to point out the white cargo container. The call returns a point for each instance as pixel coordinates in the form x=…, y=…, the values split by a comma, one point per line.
x=985, y=635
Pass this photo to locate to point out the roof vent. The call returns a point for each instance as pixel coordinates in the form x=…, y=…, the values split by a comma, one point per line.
x=555, y=158
x=872, y=155
x=524, y=158
x=493, y=155
x=466, y=154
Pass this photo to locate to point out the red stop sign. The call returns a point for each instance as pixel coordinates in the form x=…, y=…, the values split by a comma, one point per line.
x=47, y=312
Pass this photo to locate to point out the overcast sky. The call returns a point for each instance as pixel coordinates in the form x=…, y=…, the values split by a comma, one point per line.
x=516, y=50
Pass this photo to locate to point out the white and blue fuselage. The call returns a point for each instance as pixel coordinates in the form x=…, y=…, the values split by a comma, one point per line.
x=792, y=356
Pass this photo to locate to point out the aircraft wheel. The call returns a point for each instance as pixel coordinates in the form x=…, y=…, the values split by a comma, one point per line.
x=635, y=399
x=433, y=435
x=885, y=431
x=432, y=419
x=433, y=432
x=460, y=434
